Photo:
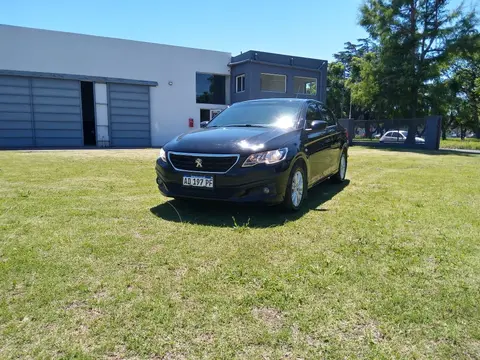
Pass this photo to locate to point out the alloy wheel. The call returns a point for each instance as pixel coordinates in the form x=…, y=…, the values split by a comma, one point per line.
x=297, y=188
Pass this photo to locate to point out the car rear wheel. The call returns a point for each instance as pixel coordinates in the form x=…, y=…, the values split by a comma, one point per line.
x=296, y=189
x=342, y=168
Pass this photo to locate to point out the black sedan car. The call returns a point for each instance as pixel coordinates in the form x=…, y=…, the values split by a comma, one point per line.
x=268, y=150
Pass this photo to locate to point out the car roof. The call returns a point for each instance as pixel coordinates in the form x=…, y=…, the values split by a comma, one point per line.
x=277, y=100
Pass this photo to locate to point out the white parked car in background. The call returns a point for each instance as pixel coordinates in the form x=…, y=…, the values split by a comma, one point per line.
x=399, y=137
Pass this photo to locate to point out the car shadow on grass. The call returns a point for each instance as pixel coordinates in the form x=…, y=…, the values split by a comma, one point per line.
x=225, y=214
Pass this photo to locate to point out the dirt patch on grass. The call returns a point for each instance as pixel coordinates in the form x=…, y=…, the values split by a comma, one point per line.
x=180, y=273
x=83, y=311
x=204, y=339
x=173, y=356
x=272, y=318
x=362, y=329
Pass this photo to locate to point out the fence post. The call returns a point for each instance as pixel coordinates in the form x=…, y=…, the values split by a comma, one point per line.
x=349, y=125
x=433, y=131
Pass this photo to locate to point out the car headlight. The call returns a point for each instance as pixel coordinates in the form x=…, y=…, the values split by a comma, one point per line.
x=163, y=155
x=266, y=157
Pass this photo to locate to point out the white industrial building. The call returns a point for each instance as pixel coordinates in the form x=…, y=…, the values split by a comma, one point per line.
x=61, y=89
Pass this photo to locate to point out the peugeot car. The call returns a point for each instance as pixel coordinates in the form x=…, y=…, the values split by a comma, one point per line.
x=268, y=150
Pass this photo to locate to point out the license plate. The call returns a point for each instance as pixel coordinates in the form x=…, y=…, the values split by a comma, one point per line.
x=198, y=181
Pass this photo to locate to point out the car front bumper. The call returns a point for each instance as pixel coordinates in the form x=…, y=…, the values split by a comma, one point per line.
x=237, y=185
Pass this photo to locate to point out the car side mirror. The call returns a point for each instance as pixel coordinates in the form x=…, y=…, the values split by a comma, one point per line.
x=318, y=125
x=204, y=123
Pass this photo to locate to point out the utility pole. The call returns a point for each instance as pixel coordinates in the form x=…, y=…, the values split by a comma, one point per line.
x=350, y=112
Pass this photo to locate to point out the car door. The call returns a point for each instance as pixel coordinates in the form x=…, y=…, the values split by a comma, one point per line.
x=397, y=137
x=334, y=140
x=316, y=145
x=393, y=136
x=388, y=137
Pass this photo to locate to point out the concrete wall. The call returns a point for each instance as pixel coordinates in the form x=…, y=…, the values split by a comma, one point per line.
x=26, y=49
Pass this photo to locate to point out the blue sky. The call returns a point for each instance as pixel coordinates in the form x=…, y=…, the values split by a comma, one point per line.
x=311, y=28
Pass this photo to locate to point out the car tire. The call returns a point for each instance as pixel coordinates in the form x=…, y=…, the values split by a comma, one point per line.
x=296, y=191
x=339, y=176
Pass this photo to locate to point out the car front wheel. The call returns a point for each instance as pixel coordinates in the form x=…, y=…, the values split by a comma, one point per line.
x=342, y=168
x=296, y=189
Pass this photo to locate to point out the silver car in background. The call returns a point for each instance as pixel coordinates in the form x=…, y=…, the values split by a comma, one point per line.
x=399, y=136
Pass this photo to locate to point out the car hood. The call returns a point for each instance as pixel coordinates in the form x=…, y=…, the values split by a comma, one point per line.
x=227, y=140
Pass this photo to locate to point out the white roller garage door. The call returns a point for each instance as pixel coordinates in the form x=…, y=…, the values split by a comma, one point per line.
x=40, y=112
x=57, y=112
x=129, y=115
x=16, y=122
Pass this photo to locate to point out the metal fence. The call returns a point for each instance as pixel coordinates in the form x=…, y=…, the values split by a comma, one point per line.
x=412, y=133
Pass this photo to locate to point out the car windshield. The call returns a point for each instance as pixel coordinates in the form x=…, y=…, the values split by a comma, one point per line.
x=283, y=114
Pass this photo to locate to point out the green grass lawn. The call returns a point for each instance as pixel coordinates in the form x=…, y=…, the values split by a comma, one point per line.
x=466, y=144
x=94, y=263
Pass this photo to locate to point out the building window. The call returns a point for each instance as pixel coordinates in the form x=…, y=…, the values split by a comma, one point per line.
x=204, y=115
x=273, y=82
x=305, y=85
x=240, y=83
x=211, y=89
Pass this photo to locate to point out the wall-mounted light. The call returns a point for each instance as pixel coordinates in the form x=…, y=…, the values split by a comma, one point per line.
x=170, y=83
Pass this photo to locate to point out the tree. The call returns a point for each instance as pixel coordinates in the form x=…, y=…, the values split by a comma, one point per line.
x=337, y=95
x=414, y=39
x=466, y=79
x=342, y=74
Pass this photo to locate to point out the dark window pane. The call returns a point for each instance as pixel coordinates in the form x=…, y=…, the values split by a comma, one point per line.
x=240, y=83
x=204, y=114
x=210, y=89
x=328, y=116
x=313, y=113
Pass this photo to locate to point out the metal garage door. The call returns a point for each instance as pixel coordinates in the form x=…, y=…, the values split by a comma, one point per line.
x=57, y=112
x=129, y=115
x=16, y=128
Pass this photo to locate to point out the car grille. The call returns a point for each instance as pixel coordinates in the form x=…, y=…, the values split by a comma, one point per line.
x=209, y=163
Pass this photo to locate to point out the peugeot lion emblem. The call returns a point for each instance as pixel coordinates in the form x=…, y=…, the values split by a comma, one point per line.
x=198, y=163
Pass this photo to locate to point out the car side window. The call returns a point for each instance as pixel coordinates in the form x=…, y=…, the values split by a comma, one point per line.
x=313, y=113
x=328, y=116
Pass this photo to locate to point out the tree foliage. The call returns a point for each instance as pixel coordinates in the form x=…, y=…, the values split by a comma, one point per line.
x=422, y=57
